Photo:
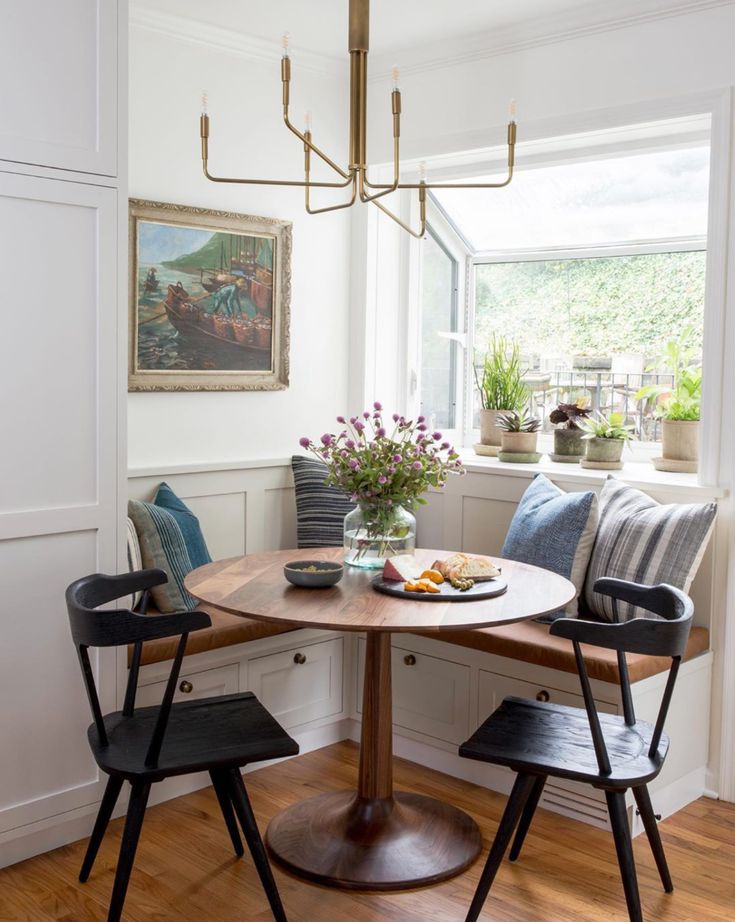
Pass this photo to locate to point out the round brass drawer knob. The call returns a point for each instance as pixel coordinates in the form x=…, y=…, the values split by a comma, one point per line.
x=409, y=659
x=186, y=687
x=543, y=695
x=299, y=659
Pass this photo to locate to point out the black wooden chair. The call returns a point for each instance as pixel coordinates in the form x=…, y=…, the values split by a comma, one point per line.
x=611, y=753
x=217, y=735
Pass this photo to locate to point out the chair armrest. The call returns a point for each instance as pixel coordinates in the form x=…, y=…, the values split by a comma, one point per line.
x=117, y=627
x=640, y=635
x=101, y=588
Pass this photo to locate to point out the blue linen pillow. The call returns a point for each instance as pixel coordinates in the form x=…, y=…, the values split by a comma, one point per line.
x=320, y=510
x=196, y=546
x=554, y=530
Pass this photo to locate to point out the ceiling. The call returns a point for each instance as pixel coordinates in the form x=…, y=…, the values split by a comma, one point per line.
x=320, y=26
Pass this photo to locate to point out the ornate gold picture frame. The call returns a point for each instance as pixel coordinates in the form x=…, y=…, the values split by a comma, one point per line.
x=210, y=295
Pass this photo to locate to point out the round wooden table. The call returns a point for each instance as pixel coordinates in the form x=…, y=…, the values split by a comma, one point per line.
x=372, y=838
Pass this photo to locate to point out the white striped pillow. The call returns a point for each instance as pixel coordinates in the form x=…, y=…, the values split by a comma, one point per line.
x=643, y=541
x=135, y=559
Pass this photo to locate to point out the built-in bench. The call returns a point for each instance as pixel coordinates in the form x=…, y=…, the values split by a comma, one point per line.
x=527, y=641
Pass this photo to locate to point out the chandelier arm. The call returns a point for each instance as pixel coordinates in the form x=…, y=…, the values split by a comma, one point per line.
x=385, y=190
x=348, y=204
x=277, y=182
x=286, y=86
x=302, y=137
x=422, y=205
x=307, y=188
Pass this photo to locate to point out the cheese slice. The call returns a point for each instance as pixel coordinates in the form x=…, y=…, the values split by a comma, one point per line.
x=401, y=568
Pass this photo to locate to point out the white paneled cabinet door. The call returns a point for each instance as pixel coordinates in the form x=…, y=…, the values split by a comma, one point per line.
x=58, y=70
x=58, y=481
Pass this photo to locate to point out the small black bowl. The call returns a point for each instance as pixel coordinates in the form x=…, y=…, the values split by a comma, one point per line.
x=326, y=573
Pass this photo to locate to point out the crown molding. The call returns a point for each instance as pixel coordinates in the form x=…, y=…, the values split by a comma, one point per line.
x=595, y=18
x=247, y=46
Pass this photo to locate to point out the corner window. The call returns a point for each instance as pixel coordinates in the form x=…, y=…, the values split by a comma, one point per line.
x=590, y=263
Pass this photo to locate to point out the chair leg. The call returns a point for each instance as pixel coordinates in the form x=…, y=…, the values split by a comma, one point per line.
x=109, y=799
x=527, y=817
x=244, y=811
x=131, y=834
x=222, y=790
x=522, y=789
x=643, y=799
x=624, y=848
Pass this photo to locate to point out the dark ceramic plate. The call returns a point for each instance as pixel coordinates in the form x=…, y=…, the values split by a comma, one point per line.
x=325, y=574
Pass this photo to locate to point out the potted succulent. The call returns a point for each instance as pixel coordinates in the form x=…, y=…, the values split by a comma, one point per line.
x=502, y=389
x=606, y=437
x=518, y=437
x=569, y=446
x=678, y=405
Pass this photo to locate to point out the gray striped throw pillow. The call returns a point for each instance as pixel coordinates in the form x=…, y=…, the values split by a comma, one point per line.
x=640, y=540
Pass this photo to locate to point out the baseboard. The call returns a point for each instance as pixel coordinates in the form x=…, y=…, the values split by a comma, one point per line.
x=53, y=832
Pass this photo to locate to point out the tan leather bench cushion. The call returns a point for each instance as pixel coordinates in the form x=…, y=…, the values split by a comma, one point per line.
x=527, y=641
x=225, y=631
x=530, y=642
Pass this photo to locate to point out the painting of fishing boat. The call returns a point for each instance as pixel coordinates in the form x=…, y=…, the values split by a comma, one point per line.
x=209, y=295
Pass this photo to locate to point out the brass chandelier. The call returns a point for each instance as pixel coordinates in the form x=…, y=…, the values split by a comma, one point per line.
x=355, y=177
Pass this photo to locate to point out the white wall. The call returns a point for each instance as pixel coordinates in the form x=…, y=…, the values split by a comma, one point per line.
x=248, y=138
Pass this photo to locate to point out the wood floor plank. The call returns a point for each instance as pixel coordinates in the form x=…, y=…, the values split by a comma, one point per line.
x=186, y=871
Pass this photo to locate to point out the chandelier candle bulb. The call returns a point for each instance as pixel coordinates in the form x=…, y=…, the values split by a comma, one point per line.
x=205, y=101
x=395, y=75
x=286, y=42
x=512, y=110
x=307, y=122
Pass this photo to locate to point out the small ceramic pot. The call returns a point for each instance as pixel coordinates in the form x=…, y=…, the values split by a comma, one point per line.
x=680, y=439
x=569, y=445
x=489, y=432
x=521, y=443
x=605, y=450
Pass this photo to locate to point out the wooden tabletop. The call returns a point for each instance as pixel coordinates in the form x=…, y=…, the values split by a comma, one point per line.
x=254, y=586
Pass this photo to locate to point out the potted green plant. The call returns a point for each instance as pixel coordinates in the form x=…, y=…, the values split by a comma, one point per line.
x=501, y=387
x=518, y=437
x=678, y=405
x=569, y=446
x=606, y=437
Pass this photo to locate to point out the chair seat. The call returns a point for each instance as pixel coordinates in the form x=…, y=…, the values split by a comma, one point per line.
x=224, y=732
x=552, y=739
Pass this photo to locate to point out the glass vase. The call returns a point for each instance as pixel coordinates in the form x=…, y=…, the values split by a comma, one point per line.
x=374, y=533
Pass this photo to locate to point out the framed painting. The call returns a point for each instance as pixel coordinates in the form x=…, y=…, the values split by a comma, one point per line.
x=210, y=296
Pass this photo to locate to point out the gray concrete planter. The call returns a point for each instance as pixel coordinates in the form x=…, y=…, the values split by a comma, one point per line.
x=569, y=446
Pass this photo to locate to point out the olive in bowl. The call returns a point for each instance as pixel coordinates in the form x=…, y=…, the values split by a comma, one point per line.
x=313, y=574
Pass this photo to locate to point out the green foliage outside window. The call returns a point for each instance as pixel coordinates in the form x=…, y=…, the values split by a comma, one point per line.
x=596, y=306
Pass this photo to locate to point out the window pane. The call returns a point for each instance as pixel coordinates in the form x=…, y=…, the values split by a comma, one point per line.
x=593, y=327
x=648, y=196
x=438, y=315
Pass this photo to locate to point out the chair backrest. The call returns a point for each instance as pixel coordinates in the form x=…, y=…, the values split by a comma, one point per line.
x=95, y=627
x=664, y=635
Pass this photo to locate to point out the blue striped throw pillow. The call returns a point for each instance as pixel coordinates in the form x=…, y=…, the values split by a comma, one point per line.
x=320, y=510
x=162, y=545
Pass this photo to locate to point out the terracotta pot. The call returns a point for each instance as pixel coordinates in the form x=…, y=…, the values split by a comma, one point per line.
x=518, y=442
x=605, y=450
x=569, y=444
x=681, y=439
x=489, y=432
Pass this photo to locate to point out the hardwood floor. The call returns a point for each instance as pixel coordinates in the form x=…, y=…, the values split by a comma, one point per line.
x=185, y=870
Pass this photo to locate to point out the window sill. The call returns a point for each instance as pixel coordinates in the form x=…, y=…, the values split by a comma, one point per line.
x=640, y=474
